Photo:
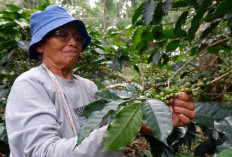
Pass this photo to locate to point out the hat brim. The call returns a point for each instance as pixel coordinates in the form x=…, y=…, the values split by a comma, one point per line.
x=40, y=34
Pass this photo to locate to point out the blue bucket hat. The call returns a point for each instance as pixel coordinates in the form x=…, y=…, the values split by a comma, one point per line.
x=46, y=21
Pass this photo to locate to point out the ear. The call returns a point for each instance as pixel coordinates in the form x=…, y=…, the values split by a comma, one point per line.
x=39, y=48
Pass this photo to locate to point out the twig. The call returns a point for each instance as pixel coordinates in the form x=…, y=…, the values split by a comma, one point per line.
x=206, y=48
x=221, y=93
x=220, y=77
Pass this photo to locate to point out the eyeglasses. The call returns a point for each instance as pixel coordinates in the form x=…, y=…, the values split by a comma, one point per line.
x=65, y=36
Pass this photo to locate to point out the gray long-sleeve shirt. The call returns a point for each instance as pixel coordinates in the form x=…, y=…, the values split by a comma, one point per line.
x=36, y=122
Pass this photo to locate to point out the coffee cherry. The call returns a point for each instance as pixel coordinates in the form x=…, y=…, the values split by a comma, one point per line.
x=195, y=94
x=162, y=99
x=201, y=84
x=188, y=90
x=205, y=80
x=157, y=97
x=167, y=97
x=208, y=83
x=162, y=94
x=167, y=90
x=188, y=84
x=176, y=95
x=167, y=102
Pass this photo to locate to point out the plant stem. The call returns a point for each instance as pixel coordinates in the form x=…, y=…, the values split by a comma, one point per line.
x=206, y=48
x=220, y=77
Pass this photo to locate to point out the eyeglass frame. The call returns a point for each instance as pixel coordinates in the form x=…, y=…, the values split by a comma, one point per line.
x=55, y=33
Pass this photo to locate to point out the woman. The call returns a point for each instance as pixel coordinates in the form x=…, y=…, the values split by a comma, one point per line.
x=44, y=106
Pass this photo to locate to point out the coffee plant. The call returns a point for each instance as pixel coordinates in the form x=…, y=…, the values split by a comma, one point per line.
x=186, y=52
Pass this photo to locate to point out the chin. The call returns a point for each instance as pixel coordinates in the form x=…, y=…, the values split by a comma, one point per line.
x=72, y=62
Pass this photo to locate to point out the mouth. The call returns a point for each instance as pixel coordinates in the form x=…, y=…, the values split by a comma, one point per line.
x=71, y=52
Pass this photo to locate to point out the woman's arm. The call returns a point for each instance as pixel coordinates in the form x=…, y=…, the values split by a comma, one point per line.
x=33, y=126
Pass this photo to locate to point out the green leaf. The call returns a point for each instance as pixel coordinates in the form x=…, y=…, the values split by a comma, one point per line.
x=124, y=94
x=158, y=15
x=214, y=49
x=177, y=65
x=147, y=35
x=172, y=46
x=124, y=128
x=169, y=33
x=225, y=153
x=95, y=119
x=180, y=33
x=94, y=106
x=157, y=148
x=229, y=24
x=207, y=113
x=181, y=20
x=167, y=6
x=44, y=5
x=224, y=7
x=156, y=57
x=179, y=4
x=13, y=7
x=141, y=47
x=224, y=126
x=157, y=116
x=106, y=95
x=137, y=13
x=148, y=11
x=192, y=3
x=137, y=37
x=116, y=64
x=196, y=21
x=147, y=153
x=157, y=32
x=209, y=29
x=136, y=68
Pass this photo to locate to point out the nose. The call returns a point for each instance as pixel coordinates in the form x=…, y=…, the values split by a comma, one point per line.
x=72, y=42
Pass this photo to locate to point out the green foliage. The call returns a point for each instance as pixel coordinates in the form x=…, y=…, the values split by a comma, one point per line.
x=130, y=121
x=148, y=11
x=95, y=119
x=197, y=18
x=106, y=95
x=208, y=112
x=137, y=13
x=157, y=116
x=225, y=153
x=224, y=7
x=224, y=125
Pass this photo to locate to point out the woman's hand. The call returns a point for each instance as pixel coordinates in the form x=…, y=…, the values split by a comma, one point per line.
x=182, y=110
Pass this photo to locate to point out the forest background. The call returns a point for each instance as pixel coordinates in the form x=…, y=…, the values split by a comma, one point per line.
x=142, y=53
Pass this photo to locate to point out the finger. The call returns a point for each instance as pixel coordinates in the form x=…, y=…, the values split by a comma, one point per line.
x=184, y=104
x=185, y=120
x=176, y=120
x=145, y=130
x=172, y=100
x=188, y=113
x=184, y=96
x=171, y=109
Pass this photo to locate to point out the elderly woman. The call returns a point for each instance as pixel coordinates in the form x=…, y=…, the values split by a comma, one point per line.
x=44, y=106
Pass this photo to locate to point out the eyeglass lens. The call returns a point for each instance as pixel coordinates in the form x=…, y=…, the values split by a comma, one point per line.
x=66, y=36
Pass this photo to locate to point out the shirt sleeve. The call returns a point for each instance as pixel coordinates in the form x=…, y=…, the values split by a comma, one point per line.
x=33, y=128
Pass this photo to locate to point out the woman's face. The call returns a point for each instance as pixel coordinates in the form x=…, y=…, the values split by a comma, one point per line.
x=62, y=48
